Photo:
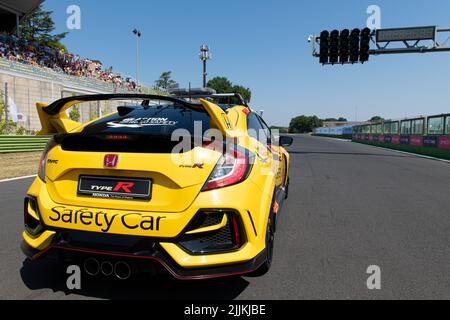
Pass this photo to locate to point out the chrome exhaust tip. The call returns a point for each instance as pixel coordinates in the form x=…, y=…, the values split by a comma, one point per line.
x=122, y=270
x=91, y=267
x=107, y=268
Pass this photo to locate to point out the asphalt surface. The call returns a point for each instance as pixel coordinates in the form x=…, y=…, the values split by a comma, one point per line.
x=351, y=206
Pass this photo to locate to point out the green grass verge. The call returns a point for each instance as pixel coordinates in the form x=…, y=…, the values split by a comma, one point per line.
x=16, y=144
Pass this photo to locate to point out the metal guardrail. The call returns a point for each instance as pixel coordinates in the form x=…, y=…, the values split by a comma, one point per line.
x=15, y=144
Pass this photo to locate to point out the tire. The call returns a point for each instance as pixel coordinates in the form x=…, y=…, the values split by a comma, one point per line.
x=270, y=239
x=286, y=195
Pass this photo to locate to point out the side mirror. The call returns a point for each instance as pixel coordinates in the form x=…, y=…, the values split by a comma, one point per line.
x=286, y=141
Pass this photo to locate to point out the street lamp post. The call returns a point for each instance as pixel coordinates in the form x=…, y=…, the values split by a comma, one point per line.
x=138, y=35
x=205, y=55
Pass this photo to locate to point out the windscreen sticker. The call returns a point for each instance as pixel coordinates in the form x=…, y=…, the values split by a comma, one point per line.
x=142, y=122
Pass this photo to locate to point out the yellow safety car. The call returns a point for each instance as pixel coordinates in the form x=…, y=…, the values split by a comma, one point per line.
x=181, y=184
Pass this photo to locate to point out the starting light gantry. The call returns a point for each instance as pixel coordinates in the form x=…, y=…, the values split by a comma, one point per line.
x=354, y=46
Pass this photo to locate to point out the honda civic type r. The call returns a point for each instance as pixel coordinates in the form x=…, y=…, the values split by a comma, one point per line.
x=149, y=189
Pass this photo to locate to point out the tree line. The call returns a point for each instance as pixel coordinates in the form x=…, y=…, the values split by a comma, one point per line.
x=165, y=83
x=307, y=124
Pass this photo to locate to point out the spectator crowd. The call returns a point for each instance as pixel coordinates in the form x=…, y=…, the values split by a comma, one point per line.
x=20, y=50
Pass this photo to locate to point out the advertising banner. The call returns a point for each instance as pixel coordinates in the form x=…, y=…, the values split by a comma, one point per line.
x=431, y=142
x=395, y=140
x=381, y=138
x=444, y=142
x=416, y=141
x=387, y=139
x=370, y=137
x=404, y=140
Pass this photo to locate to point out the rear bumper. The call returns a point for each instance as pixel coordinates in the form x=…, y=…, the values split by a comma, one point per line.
x=145, y=261
x=252, y=211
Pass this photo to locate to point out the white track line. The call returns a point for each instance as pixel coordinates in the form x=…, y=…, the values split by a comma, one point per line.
x=335, y=139
x=19, y=178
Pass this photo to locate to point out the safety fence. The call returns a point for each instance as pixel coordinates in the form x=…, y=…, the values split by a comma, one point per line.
x=433, y=146
x=428, y=136
x=15, y=144
x=341, y=132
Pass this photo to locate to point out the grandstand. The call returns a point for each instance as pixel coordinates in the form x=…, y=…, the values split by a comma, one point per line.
x=32, y=72
x=46, y=74
x=26, y=84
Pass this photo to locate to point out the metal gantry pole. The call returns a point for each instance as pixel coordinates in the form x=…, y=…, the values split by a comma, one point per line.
x=6, y=104
x=18, y=26
x=137, y=61
x=205, y=74
x=205, y=55
x=138, y=35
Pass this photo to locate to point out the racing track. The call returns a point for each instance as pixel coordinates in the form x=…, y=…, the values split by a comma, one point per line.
x=351, y=206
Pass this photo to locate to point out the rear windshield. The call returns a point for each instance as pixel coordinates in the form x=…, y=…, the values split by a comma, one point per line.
x=155, y=121
x=139, y=130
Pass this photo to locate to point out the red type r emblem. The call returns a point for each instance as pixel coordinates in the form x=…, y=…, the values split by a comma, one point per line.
x=125, y=186
x=111, y=161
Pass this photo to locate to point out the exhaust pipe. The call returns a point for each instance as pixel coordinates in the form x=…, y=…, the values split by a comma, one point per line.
x=107, y=268
x=92, y=267
x=122, y=270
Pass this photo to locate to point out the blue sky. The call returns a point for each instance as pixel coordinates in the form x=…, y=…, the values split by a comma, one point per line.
x=262, y=44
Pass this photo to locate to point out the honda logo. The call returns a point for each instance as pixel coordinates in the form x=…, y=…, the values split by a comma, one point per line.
x=111, y=161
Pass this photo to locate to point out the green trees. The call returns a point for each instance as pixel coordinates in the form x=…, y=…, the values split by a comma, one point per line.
x=165, y=82
x=376, y=118
x=223, y=85
x=341, y=119
x=74, y=114
x=304, y=124
x=39, y=26
x=220, y=84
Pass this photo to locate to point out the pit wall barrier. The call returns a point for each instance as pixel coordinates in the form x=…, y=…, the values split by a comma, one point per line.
x=341, y=132
x=433, y=146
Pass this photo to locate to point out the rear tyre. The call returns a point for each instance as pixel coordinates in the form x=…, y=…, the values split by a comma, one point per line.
x=286, y=190
x=270, y=240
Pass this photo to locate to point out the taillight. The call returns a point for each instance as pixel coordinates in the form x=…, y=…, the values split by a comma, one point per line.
x=232, y=168
x=43, y=162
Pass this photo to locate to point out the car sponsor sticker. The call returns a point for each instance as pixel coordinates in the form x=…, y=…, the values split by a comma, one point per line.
x=103, y=221
x=141, y=123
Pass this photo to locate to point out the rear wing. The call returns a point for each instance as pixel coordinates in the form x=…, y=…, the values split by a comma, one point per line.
x=54, y=119
x=205, y=93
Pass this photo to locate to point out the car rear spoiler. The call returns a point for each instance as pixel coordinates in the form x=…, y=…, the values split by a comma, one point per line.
x=205, y=93
x=54, y=119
